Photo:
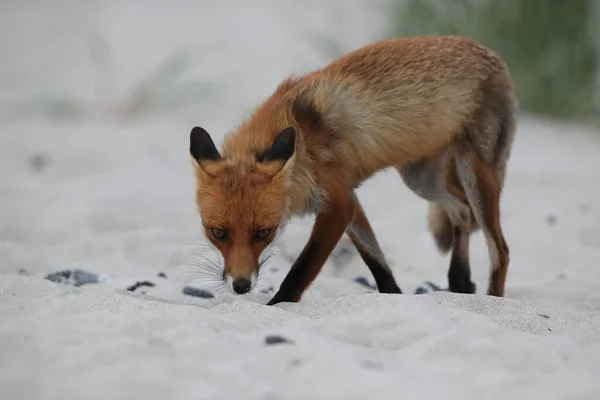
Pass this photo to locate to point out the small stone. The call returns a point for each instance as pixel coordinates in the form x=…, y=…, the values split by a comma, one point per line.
x=38, y=161
x=361, y=280
x=268, y=290
x=373, y=365
x=23, y=271
x=192, y=291
x=428, y=287
x=276, y=339
x=544, y=315
x=162, y=275
x=75, y=277
x=136, y=285
x=551, y=219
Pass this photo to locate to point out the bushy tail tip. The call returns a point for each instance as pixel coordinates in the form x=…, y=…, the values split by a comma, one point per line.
x=440, y=227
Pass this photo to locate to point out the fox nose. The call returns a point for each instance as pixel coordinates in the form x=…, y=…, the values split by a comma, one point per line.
x=241, y=286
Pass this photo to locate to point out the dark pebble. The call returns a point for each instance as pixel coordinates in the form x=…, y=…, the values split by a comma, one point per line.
x=551, y=219
x=268, y=290
x=192, y=291
x=363, y=281
x=276, y=339
x=162, y=275
x=428, y=287
x=136, y=285
x=73, y=277
x=38, y=162
x=373, y=365
x=295, y=363
x=23, y=271
x=544, y=315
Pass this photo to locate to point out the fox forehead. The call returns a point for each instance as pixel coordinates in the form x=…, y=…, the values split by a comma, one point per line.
x=247, y=200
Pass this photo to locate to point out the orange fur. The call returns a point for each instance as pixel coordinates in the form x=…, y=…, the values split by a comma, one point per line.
x=392, y=103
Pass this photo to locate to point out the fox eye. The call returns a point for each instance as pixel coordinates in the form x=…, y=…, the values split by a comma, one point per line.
x=262, y=234
x=218, y=233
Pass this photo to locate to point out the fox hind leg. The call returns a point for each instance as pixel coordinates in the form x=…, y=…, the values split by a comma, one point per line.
x=456, y=205
x=482, y=187
x=459, y=272
x=450, y=220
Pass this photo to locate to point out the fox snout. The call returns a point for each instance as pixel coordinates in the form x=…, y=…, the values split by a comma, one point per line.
x=240, y=280
x=241, y=267
x=241, y=283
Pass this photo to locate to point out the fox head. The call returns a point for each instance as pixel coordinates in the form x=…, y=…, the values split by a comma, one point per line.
x=241, y=199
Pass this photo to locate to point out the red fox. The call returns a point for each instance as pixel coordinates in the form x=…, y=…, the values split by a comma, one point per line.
x=439, y=109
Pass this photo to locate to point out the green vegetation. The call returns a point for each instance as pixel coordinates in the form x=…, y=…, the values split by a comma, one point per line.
x=552, y=47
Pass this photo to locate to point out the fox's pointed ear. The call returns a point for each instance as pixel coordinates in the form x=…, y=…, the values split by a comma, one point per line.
x=202, y=146
x=283, y=147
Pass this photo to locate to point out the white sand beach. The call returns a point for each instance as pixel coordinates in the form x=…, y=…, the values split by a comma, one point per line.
x=113, y=196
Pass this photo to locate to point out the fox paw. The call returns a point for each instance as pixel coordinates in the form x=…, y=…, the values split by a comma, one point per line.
x=283, y=297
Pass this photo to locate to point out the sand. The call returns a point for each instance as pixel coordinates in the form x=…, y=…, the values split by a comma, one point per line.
x=114, y=197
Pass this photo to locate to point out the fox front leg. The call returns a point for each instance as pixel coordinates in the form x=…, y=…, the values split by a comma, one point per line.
x=330, y=224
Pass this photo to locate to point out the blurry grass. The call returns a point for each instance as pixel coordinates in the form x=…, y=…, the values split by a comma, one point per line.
x=550, y=46
x=161, y=91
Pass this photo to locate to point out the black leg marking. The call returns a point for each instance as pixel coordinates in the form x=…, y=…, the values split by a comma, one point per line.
x=299, y=276
x=494, y=283
x=459, y=274
x=330, y=225
x=383, y=278
x=362, y=236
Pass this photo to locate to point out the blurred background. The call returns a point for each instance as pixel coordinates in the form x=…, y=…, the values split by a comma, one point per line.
x=69, y=59
x=97, y=98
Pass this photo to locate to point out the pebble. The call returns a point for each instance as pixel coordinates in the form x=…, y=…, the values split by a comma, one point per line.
x=192, y=291
x=138, y=284
x=276, y=339
x=373, y=365
x=38, y=161
x=363, y=281
x=75, y=277
x=428, y=287
x=268, y=290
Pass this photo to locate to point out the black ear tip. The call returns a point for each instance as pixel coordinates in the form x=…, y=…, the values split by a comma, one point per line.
x=197, y=136
x=282, y=148
x=202, y=145
x=198, y=133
